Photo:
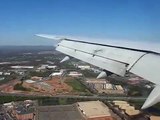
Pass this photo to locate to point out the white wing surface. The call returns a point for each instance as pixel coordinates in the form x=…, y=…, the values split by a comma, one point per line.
x=116, y=59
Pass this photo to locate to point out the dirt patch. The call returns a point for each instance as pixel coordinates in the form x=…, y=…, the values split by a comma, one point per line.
x=58, y=85
x=9, y=87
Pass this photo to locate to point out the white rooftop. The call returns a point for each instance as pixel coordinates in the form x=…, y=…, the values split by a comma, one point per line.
x=29, y=81
x=92, y=109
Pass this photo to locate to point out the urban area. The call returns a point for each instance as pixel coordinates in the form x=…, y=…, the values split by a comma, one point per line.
x=39, y=83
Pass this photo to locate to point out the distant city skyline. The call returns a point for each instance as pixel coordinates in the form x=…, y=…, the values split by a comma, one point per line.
x=133, y=20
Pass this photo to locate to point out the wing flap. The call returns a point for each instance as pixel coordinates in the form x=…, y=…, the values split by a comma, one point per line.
x=111, y=65
x=148, y=67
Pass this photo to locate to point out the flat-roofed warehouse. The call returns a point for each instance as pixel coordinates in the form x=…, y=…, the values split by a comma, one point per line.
x=94, y=110
x=128, y=109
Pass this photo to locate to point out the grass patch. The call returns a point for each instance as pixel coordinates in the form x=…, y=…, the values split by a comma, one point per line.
x=76, y=85
x=11, y=98
x=62, y=101
x=19, y=86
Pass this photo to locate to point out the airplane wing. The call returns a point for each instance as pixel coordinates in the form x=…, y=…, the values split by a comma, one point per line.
x=116, y=59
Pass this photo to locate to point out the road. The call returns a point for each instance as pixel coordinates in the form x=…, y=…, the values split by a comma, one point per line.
x=100, y=97
x=78, y=96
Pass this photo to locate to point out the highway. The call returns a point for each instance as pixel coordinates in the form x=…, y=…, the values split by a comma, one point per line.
x=95, y=97
x=100, y=97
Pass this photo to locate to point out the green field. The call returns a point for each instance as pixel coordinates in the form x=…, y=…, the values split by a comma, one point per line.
x=5, y=99
x=76, y=85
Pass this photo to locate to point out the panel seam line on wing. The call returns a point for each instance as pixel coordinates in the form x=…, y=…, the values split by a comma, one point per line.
x=137, y=61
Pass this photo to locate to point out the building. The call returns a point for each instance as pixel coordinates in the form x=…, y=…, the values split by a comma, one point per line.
x=51, y=67
x=8, y=106
x=36, y=78
x=84, y=67
x=127, y=108
x=22, y=67
x=29, y=81
x=22, y=112
x=57, y=73
x=90, y=110
x=103, y=86
x=6, y=73
x=43, y=67
x=1, y=73
x=94, y=110
x=97, y=84
x=75, y=74
x=154, y=117
x=25, y=116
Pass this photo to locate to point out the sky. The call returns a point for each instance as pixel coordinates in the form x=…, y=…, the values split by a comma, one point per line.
x=133, y=20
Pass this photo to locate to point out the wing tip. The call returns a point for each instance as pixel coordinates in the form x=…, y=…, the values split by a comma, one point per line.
x=53, y=37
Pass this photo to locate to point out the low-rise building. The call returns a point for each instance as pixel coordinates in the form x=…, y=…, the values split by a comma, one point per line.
x=103, y=86
x=43, y=67
x=57, y=73
x=75, y=74
x=84, y=67
x=94, y=110
x=29, y=81
x=89, y=110
x=152, y=117
x=1, y=73
x=8, y=106
x=22, y=112
x=36, y=78
x=51, y=67
x=6, y=73
x=22, y=67
x=127, y=108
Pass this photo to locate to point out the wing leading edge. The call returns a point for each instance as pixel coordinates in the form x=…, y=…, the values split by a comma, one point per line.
x=116, y=59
